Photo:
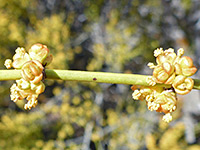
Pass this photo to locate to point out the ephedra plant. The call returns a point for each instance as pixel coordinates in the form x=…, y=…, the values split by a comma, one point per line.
x=171, y=76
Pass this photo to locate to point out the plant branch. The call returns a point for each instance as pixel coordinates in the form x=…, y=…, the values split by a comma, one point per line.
x=86, y=76
x=10, y=74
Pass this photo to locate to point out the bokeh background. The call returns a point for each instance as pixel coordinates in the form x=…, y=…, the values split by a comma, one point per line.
x=101, y=35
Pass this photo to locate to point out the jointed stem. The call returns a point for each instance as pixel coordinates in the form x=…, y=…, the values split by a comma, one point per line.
x=86, y=76
x=10, y=74
x=100, y=77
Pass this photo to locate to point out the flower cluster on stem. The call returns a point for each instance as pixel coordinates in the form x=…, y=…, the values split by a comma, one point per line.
x=32, y=65
x=173, y=69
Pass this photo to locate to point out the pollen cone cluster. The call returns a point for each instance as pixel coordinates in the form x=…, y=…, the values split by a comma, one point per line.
x=173, y=69
x=32, y=65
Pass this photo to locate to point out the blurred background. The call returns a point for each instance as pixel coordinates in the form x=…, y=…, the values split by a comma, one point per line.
x=101, y=35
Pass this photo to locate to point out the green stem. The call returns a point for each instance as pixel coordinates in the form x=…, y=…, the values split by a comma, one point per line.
x=100, y=77
x=10, y=74
x=86, y=76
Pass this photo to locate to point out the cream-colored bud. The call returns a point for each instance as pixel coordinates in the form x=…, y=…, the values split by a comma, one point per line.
x=151, y=81
x=32, y=102
x=20, y=58
x=151, y=65
x=40, y=52
x=136, y=95
x=158, y=52
x=180, y=52
x=169, y=50
x=32, y=71
x=183, y=85
x=167, y=118
x=8, y=63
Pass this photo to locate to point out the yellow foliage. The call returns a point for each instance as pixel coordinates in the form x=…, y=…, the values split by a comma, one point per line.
x=151, y=142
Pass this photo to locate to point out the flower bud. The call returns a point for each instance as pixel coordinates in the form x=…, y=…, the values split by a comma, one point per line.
x=15, y=93
x=20, y=58
x=32, y=101
x=165, y=56
x=180, y=52
x=141, y=92
x=38, y=88
x=182, y=85
x=32, y=67
x=164, y=73
x=185, y=66
x=25, y=89
x=157, y=98
x=41, y=53
x=8, y=63
x=23, y=84
x=167, y=117
x=48, y=60
x=32, y=71
x=167, y=101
